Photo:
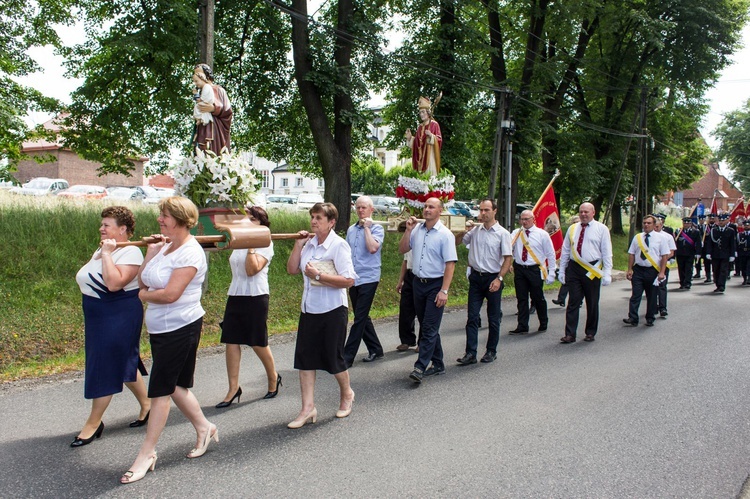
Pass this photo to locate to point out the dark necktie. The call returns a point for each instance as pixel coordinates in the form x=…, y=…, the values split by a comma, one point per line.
x=524, y=253
x=579, y=246
x=645, y=239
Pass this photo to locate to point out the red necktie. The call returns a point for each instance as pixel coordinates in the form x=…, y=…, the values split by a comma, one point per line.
x=524, y=253
x=579, y=247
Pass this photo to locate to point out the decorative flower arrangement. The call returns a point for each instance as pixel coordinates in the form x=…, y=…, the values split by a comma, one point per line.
x=210, y=180
x=412, y=192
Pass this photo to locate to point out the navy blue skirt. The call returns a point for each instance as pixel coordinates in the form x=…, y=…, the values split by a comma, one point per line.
x=113, y=332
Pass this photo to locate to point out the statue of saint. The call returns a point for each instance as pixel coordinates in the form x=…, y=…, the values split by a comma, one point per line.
x=426, y=143
x=212, y=112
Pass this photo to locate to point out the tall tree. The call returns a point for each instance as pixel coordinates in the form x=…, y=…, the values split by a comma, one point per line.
x=24, y=25
x=734, y=134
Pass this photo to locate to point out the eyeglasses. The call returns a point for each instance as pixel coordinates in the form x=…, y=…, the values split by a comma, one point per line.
x=527, y=218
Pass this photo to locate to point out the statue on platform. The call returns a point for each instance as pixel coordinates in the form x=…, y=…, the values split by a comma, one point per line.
x=427, y=142
x=212, y=113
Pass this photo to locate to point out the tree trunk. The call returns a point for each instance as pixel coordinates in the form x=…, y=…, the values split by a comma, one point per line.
x=334, y=148
x=617, y=228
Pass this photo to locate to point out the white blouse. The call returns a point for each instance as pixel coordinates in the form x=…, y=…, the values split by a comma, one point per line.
x=322, y=299
x=166, y=317
x=243, y=284
x=90, y=278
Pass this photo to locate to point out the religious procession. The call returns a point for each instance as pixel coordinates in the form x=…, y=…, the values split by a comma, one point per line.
x=561, y=151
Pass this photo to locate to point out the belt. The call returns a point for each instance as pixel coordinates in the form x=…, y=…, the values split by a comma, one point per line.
x=593, y=262
x=425, y=280
x=525, y=266
x=483, y=273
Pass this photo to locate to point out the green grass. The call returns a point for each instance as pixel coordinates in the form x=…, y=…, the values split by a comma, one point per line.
x=45, y=241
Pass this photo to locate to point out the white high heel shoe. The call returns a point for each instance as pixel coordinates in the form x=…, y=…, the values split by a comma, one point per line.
x=131, y=476
x=311, y=417
x=212, y=432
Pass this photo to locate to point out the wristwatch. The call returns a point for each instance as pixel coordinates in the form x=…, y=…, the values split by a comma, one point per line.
x=444, y=291
x=499, y=278
x=317, y=277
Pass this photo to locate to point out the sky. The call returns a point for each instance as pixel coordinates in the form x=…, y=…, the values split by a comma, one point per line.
x=731, y=91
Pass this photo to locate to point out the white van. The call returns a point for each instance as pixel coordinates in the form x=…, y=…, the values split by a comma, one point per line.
x=306, y=200
x=41, y=186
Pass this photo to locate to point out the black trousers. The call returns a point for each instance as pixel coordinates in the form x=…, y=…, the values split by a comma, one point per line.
x=528, y=282
x=406, y=312
x=643, y=281
x=721, y=272
x=707, y=267
x=741, y=264
x=362, y=327
x=661, y=292
x=685, y=270
x=581, y=288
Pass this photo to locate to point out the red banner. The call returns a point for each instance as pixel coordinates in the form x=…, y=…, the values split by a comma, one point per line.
x=714, y=208
x=548, y=217
x=738, y=211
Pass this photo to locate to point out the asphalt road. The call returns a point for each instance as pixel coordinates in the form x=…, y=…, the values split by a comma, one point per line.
x=640, y=412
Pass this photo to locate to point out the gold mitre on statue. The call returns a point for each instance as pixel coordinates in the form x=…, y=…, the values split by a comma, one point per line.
x=424, y=103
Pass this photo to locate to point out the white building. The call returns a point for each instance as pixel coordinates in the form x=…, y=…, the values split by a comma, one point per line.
x=378, y=132
x=282, y=178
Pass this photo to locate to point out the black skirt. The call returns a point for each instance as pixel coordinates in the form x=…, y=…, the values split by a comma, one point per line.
x=320, y=341
x=245, y=321
x=173, y=356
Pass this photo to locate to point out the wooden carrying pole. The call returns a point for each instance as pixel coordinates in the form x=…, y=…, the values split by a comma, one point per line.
x=235, y=237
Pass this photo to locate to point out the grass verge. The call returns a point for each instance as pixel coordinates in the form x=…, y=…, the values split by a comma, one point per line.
x=46, y=240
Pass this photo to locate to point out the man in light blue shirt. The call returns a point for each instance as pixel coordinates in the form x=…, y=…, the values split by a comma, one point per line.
x=434, y=256
x=366, y=240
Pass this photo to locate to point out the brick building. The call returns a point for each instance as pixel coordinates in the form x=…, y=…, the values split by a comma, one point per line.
x=67, y=165
x=726, y=195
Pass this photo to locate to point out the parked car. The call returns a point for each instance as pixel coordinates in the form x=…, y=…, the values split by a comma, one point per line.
x=83, y=191
x=281, y=202
x=41, y=186
x=386, y=205
x=461, y=208
x=150, y=195
x=123, y=194
x=306, y=200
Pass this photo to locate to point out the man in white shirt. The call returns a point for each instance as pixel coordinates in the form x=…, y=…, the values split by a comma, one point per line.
x=533, y=264
x=668, y=234
x=585, y=266
x=489, y=261
x=647, y=262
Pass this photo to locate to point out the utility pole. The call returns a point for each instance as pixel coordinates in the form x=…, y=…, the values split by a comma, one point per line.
x=502, y=159
x=640, y=183
x=206, y=34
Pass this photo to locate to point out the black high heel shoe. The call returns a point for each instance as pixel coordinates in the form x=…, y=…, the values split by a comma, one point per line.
x=272, y=394
x=140, y=422
x=78, y=441
x=236, y=395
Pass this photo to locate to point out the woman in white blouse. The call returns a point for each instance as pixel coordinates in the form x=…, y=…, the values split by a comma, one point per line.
x=113, y=318
x=170, y=280
x=325, y=259
x=246, y=313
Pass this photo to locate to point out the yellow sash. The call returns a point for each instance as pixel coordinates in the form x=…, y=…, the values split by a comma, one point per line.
x=644, y=250
x=593, y=272
x=526, y=245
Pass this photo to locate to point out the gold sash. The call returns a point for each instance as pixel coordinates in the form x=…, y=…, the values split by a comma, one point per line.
x=526, y=245
x=644, y=250
x=593, y=272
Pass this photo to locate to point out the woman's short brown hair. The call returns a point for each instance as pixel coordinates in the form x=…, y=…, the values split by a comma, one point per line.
x=182, y=209
x=260, y=215
x=122, y=216
x=327, y=209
